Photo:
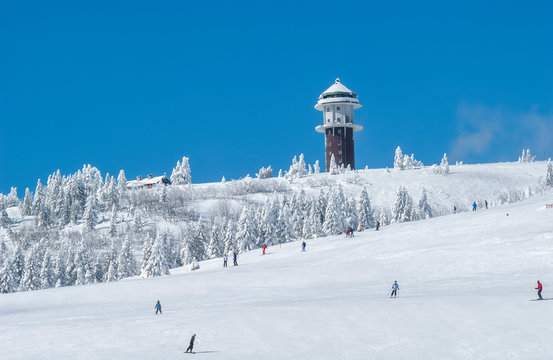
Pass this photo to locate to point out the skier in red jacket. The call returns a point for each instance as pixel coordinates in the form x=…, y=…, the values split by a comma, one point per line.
x=264, y=248
x=539, y=288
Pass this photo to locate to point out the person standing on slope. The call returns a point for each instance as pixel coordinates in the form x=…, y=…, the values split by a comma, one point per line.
x=377, y=225
x=303, y=245
x=486, y=203
x=264, y=248
x=539, y=288
x=158, y=308
x=191, y=346
x=395, y=288
x=474, y=206
x=225, y=259
x=235, y=258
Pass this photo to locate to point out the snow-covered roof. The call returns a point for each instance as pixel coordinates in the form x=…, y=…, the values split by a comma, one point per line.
x=147, y=181
x=337, y=93
x=337, y=89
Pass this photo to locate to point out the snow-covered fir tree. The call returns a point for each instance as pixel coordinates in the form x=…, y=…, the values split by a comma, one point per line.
x=216, y=245
x=268, y=224
x=424, y=207
x=398, y=159
x=47, y=275
x=4, y=218
x=245, y=232
x=156, y=264
x=526, y=157
x=351, y=214
x=126, y=261
x=181, y=174
x=403, y=206
x=298, y=168
x=334, y=220
x=549, y=174
x=91, y=212
x=265, y=173
x=444, y=165
x=27, y=207
x=230, y=238
x=285, y=226
x=18, y=264
x=8, y=282
x=316, y=167
x=334, y=170
x=33, y=266
x=364, y=210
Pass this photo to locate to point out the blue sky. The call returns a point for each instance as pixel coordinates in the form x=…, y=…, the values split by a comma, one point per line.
x=135, y=85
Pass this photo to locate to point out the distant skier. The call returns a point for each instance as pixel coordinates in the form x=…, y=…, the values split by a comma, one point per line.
x=395, y=288
x=347, y=232
x=225, y=259
x=377, y=225
x=350, y=231
x=303, y=245
x=191, y=346
x=235, y=258
x=264, y=248
x=454, y=209
x=474, y=206
x=539, y=288
x=486, y=203
x=361, y=227
x=158, y=308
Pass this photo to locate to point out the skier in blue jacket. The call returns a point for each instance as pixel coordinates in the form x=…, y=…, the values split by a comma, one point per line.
x=474, y=206
x=158, y=308
x=395, y=288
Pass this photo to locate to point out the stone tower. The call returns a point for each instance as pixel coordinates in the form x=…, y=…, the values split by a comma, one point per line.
x=337, y=104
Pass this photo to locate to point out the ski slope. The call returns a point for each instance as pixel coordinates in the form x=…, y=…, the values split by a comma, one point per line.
x=466, y=282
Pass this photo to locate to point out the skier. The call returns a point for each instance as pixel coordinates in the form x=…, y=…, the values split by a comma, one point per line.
x=377, y=225
x=395, y=288
x=235, y=258
x=474, y=206
x=454, y=209
x=361, y=227
x=158, y=308
x=191, y=346
x=303, y=245
x=347, y=232
x=486, y=203
x=539, y=288
x=350, y=229
x=264, y=248
x=225, y=259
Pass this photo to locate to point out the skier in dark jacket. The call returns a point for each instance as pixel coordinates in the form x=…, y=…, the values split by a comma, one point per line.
x=225, y=259
x=486, y=203
x=539, y=288
x=454, y=209
x=191, y=346
x=158, y=308
x=377, y=225
x=303, y=245
x=235, y=258
x=395, y=288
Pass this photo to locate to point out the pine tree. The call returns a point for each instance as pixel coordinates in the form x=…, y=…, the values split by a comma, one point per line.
x=322, y=202
x=157, y=264
x=33, y=265
x=59, y=273
x=47, y=274
x=424, y=207
x=549, y=174
x=18, y=264
x=403, y=206
x=312, y=226
x=230, y=239
x=444, y=165
x=246, y=233
x=8, y=282
x=333, y=166
x=334, y=221
x=268, y=223
x=351, y=215
x=364, y=210
x=113, y=223
x=317, y=167
x=181, y=174
x=126, y=260
x=398, y=159
x=216, y=246
x=27, y=208
x=122, y=185
x=38, y=201
x=4, y=218
x=91, y=212
x=285, y=227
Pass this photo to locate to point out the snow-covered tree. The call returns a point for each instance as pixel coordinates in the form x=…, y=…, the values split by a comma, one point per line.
x=549, y=174
x=298, y=168
x=157, y=264
x=398, y=159
x=33, y=265
x=91, y=212
x=38, y=201
x=216, y=245
x=47, y=274
x=269, y=222
x=424, y=207
x=246, y=232
x=285, y=226
x=59, y=273
x=403, y=206
x=18, y=264
x=312, y=227
x=126, y=261
x=265, y=173
x=334, y=170
x=364, y=210
x=27, y=207
x=334, y=220
x=229, y=237
x=181, y=174
x=351, y=215
x=444, y=165
x=4, y=218
x=526, y=156
x=8, y=282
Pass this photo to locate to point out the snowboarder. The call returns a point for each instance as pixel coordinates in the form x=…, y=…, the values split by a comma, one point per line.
x=395, y=288
x=454, y=209
x=225, y=259
x=377, y=225
x=539, y=288
x=486, y=203
x=474, y=206
x=264, y=248
x=303, y=245
x=158, y=308
x=191, y=346
x=235, y=258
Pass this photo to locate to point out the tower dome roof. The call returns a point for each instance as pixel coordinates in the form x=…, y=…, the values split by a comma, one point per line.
x=337, y=90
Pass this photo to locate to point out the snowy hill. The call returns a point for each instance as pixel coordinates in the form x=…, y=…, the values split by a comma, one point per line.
x=465, y=285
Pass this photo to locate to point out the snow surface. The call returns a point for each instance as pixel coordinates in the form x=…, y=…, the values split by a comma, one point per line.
x=465, y=285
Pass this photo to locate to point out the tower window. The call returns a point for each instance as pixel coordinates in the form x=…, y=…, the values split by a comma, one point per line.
x=340, y=152
x=338, y=120
x=339, y=142
x=347, y=119
x=337, y=108
x=340, y=159
x=327, y=109
x=339, y=131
